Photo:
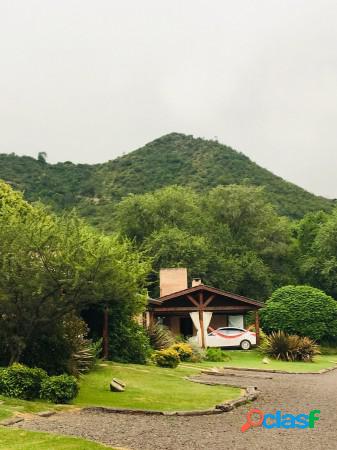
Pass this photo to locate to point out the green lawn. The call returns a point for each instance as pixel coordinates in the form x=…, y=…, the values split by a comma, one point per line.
x=11, y=439
x=12, y=406
x=151, y=387
x=253, y=359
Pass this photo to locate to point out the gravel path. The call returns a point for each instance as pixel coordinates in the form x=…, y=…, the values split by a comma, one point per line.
x=290, y=393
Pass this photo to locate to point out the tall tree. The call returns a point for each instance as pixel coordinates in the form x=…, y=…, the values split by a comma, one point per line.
x=50, y=266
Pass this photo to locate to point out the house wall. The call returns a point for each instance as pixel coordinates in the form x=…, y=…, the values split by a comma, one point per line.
x=175, y=325
x=219, y=320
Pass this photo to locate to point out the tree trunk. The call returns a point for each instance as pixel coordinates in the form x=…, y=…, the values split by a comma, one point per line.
x=106, y=333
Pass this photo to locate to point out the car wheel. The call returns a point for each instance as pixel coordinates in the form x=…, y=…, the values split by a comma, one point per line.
x=245, y=345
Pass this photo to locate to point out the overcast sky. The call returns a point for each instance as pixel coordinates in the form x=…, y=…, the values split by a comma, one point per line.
x=88, y=80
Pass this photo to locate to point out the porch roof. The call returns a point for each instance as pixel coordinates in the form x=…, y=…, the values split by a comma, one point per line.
x=202, y=289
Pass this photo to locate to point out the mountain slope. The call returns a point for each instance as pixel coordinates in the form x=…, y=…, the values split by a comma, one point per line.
x=171, y=159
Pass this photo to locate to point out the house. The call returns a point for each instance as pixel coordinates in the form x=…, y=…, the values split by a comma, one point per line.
x=195, y=310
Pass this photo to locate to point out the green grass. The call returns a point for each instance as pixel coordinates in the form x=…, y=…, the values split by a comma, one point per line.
x=26, y=440
x=252, y=359
x=151, y=387
x=13, y=406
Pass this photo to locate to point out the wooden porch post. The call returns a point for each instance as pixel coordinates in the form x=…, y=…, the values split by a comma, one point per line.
x=106, y=333
x=201, y=319
x=257, y=327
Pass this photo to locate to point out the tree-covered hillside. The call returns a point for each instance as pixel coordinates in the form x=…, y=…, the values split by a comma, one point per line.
x=174, y=159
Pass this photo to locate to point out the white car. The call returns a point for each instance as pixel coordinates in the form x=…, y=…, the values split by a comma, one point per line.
x=231, y=337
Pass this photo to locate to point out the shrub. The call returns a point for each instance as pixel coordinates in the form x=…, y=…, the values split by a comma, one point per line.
x=166, y=358
x=1, y=380
x=216, y=354
x=64, y=350
x=304, y=348
x=300, y=310
x=59, y=388
x=160, y=336
x=198, y=353
x=128, y=342
x=184, y=350
x=278, y=346
x=22, y=382
x=85, y=358
x=286, y=347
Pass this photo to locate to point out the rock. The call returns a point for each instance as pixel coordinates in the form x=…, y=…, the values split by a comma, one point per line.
x=13, y=421
x=251, y=390
x=121, y=383
x=116, y=387
x=266, y=360
x=46, y=413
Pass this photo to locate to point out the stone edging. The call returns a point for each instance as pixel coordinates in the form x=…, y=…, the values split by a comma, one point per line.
x=246, y=369
x=12, y=421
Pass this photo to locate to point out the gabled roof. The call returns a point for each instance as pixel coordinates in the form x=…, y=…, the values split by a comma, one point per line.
x=211, y=290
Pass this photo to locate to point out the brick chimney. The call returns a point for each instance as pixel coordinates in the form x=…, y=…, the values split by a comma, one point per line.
x=196, y=282
x=172, y=280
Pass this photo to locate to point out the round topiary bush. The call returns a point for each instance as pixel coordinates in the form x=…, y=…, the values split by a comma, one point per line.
x=301, y=310
x=22, y=382
x=59, y=389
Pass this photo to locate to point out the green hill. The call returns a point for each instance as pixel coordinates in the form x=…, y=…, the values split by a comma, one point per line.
x=171, y=159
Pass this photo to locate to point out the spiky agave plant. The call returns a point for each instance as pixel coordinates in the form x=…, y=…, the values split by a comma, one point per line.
x=278, y=345
x=160, y=336
x=306, y=349
x=286, y=347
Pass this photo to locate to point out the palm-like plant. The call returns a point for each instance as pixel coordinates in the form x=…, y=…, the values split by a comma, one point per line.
x=286, y=347
x=160, y=336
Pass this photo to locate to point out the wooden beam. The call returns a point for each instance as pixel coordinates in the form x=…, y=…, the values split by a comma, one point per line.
x=201, y=319
x=202, y=330
x=232, y=308
x=208, y=301
x=257, y=327
x=201, y=298
x=193, y=300
x=212, y=309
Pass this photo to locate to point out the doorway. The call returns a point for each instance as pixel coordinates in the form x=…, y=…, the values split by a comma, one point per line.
x=186, y=326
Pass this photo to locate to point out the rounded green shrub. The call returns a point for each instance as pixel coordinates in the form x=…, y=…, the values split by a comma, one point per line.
x=59, y=388
x=22, y=382
x=301, y=310
x=166, y=358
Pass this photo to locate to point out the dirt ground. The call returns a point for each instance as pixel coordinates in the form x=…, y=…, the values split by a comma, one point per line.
x=293, y=394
